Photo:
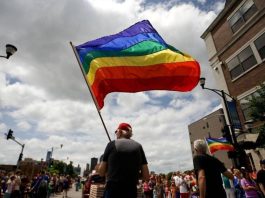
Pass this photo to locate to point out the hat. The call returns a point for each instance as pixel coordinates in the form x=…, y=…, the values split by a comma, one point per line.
x=124, y=126
x=262, y=161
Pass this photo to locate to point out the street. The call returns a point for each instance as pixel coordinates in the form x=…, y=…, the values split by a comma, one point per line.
x=70, y=194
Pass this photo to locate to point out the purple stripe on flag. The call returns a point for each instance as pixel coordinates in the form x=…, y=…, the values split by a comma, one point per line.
x=138, y=28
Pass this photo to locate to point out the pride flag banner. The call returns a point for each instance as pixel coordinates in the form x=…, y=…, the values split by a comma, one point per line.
x=136, y=59
x=217, y=144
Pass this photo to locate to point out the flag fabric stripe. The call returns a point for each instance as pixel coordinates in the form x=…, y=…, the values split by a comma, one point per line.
x=164, y=56
x=143, y=79
x=221, y=147
x=124, y=42
x=216, y=144
x=138, y=28
x=142, y=48
x=217, y=140
x=136, y=59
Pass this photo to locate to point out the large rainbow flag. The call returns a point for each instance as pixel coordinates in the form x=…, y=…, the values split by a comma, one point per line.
x=217, y=144
x=136, y=59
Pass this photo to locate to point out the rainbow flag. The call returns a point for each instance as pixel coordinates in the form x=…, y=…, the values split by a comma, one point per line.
x=217, y=144
x=136, y=59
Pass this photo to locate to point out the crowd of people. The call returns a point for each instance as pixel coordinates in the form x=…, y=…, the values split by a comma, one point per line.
x=184, y=185
x=175, y=185
x=124, y=173
x=42, y=185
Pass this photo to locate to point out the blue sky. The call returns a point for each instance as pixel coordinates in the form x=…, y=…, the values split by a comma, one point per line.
x=44, y=99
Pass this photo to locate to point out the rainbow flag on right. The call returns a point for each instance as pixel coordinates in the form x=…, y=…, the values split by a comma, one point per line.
x=217, y=144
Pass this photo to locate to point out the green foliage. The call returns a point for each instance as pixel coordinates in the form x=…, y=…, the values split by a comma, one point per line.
x=257, y=105
x=169, y=176
x=257, y=113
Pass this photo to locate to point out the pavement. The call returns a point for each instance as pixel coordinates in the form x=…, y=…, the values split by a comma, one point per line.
x=70, y=194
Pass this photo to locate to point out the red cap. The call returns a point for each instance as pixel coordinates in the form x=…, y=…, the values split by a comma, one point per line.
x=124, y=126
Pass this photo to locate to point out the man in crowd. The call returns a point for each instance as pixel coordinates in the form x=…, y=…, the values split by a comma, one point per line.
x=261, y=177
x=123, y=159
x=208, y=171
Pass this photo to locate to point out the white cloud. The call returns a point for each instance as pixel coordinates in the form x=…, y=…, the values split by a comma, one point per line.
x=24, y=126
x=44, y=99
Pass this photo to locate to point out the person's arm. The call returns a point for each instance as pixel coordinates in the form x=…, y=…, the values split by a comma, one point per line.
x=229, y=175
x=202, y=183
x=247, y=188
x=102, y=169
x=262, y=188
x=145, y=172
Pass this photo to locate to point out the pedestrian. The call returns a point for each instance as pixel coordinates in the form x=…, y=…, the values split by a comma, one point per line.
x=66, y=185
x=249, y=186
x=208, y=171
x=123, y=160
x=261, y=177
x=10, y=186
x=229, y=187
x=17, y=182
x=239, y=192
x=40, y=187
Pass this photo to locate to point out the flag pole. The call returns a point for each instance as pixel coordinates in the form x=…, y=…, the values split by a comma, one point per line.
x=208, y=147
x=93, y=97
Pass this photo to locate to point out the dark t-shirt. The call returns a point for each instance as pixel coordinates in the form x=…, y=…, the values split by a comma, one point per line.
x=124, y=158
x=261, y=177
x=213, y=169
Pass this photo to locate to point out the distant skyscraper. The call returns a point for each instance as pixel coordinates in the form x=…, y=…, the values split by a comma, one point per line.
x=93, y=163
x=48, y=156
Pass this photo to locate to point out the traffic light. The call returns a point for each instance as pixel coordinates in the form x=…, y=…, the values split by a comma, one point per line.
x=9, y=134
x=226, y=133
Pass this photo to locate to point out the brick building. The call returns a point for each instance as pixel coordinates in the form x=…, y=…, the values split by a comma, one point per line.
x=235, y=42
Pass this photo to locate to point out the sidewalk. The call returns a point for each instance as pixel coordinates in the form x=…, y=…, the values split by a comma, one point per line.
x=70, y=194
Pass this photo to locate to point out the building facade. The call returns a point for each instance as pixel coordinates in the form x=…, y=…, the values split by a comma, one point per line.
x=235, y=42
x=210, y=126
x=94, y=162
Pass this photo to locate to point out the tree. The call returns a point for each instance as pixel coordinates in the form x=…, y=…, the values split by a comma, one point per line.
x=70, y=169
x=257, y=113
x=257, y=105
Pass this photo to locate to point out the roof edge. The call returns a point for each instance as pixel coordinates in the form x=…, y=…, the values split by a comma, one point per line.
x=218, y=18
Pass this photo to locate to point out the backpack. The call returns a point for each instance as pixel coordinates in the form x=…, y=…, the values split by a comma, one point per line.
x=43, y=186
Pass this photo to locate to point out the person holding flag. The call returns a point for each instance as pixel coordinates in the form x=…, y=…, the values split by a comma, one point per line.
x=208, y=172
x=123, y=160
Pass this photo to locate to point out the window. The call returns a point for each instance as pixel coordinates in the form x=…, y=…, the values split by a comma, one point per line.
x=242, y=62
x=243, y=14
x=260, y=45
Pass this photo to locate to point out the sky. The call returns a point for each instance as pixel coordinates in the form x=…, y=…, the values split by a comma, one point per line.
x=44, y=98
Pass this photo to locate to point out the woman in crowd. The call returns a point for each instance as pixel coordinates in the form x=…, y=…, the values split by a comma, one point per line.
x=158, y=188
x=10, y=186
x=249, y=186
x=173, y=189
x=239, y=192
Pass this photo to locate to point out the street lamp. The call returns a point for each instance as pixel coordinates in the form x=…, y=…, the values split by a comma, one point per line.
x=10, y=50
x=223, y=95
x=239, y=155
